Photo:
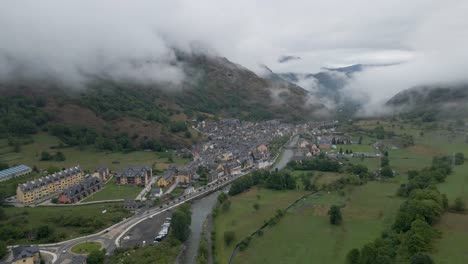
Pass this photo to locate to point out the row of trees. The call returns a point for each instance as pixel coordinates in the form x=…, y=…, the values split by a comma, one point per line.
x=322, y=163
x=59, y=156
x=279, y=180
x=180, y=222
x=411, y=235
x=82, y=136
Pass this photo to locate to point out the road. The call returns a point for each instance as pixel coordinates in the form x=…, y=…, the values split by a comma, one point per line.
x=111, y=237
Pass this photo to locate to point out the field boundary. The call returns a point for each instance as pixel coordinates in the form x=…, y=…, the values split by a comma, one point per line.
x=236, y=248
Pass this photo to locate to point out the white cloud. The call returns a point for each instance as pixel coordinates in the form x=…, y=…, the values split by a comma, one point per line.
x=64, y=38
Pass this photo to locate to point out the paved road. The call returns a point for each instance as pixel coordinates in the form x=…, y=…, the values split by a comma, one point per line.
x=111, y=237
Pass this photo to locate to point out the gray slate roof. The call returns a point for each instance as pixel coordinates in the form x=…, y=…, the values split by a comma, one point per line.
x=24, y=251
x=31, y=185
x=133, y=171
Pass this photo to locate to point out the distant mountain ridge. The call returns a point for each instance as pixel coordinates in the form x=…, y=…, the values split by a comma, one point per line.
x=443, y=100
x=213, y=87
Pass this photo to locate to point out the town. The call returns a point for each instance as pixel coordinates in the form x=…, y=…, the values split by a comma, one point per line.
x=233, y=148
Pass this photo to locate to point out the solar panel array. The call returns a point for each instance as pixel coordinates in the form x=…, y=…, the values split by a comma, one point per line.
x=14, y=171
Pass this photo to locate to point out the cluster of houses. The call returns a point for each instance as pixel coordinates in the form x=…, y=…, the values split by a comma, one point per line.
x=236, y=146
x=71, y=185
x=173, y=174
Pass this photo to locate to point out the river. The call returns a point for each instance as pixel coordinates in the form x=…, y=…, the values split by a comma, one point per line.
x=287, y=154
x=202, y=207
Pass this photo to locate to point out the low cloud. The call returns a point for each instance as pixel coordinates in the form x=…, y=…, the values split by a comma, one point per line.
x=71, y=40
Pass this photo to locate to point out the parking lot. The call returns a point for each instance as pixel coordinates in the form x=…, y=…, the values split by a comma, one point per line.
x=145, y=231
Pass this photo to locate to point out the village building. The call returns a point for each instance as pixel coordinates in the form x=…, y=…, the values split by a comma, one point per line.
x=103, y=173
x=168, y=177
x=14, y=172
x=304, y=143
x=156, y=192
x=79, y=191
x=260, y=152
x=183, y=177
x=39, y=189
x=130, y=205
x=134, y=175
x=25, y=254
x=233, y=167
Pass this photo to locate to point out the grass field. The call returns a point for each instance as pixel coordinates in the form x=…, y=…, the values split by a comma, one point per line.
x=357, y=148
x=451, y=247
x=86, y=247
x=243, y=219
x=113, y=191
x=323, y=178
x=89, y=158
x=304, y=235
x=371, y=163
x=32, y=218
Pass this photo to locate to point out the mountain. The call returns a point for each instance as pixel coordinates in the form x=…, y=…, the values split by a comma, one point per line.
x=124, y=114
x=433, y=101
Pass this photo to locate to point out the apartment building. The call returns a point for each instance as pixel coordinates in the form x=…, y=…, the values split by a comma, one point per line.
x=134, y=175
x=35, y=190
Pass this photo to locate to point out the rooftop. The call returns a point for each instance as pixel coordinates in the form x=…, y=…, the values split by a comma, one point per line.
x=14, y=170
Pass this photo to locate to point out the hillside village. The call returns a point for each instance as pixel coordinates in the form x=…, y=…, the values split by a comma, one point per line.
x=233, y=147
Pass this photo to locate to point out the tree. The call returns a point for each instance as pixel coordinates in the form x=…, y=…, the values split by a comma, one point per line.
x=341, y=150
x=256, y=206
x=229, y=237
x=45, y=156
x=3, y=166
x=52, y=169
x=421, y=258
x=335, y=215
x=384, y=161
x=44, y=231
x=3, y=249
x=353, y=256
x=222, y=197
x=96, y=257
x=459, y=158
x=360, y=140
x=386, y=171
x=368, y=254
x=180, y=223
x=59, y=156
x=459, y=205
x=187, y=134
x=416, y=244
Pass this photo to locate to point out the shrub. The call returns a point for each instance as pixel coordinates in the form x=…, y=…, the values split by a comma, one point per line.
x=229, y=237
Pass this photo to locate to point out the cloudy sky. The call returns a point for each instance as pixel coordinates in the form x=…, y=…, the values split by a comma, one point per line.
x=65, y=39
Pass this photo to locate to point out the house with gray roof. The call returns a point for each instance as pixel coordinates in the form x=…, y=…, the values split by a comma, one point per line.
x=134, y=175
